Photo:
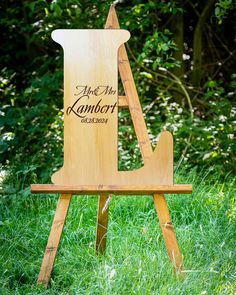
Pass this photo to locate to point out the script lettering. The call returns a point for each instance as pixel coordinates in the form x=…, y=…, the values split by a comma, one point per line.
x=87, y=103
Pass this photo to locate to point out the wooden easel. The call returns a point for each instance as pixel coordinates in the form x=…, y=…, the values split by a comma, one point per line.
x=104, y=186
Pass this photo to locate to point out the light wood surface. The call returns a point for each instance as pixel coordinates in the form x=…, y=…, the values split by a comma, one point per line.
x=122, y=102
x=102, y=223
x=90, y=105
x=90, y=114
x=54, y=239
x=168, y=230
x=113, y=189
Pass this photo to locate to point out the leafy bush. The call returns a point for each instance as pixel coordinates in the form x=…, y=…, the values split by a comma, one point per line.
x=202, y=119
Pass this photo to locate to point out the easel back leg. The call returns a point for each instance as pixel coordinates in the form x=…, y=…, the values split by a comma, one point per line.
x=102, y=223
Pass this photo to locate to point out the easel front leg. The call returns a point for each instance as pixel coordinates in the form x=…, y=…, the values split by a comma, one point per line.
x=168, y=230
x=54, y=239
x=102, y=223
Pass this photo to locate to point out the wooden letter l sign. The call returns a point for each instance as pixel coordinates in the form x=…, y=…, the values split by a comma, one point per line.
x=90, y=115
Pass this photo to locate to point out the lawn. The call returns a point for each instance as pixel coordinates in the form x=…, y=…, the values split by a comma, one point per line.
x=135, y=261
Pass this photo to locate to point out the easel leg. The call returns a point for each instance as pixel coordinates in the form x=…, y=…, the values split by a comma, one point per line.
x=54, y=239
x=168, y=231
x=102, y=223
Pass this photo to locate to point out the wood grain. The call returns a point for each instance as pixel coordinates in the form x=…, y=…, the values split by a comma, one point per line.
x=91, y=87
x=54, y=239
x=122, y=102
x=102, y=223
x=112, y=189
x=168, y=230
x=131, y=92
x=90, y=105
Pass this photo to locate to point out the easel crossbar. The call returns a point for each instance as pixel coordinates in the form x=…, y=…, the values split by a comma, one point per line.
x=113, y=189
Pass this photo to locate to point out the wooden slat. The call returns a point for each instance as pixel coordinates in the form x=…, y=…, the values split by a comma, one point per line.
x=54, y=239
x=102, y=223
x=131, y=92
x=168, y=231
x=112, y=189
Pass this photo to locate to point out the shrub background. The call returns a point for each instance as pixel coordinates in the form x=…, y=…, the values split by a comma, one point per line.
x=186, y=91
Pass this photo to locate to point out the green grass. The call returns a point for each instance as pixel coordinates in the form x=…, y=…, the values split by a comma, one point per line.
x=136, y=261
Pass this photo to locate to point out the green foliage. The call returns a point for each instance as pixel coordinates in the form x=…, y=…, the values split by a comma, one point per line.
x=157, y=51
x=31, y=81
x=206, y=140
x=222, y=7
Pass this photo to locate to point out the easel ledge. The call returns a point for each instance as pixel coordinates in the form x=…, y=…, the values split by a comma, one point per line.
x=112, y=189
